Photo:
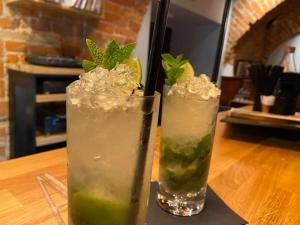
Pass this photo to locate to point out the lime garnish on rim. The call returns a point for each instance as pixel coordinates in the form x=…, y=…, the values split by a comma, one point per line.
x=188, y=72
x=176, y=68
x=135, y=65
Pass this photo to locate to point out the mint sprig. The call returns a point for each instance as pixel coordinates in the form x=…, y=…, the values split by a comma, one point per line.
x=114, y=54
x=172, y=67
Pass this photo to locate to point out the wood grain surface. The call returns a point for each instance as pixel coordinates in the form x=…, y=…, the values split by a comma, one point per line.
x=255, y=174
x=45, y=70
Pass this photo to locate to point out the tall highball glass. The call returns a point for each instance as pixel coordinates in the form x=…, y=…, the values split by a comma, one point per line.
x=103, y=147
x=187, y=131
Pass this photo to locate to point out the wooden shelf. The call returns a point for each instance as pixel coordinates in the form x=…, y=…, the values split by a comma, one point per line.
x=42, y=140
x=45, y=70
x=25, y=102
x=44, y=98
x=53, y=7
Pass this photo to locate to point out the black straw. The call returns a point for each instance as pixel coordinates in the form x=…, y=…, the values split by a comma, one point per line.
x=224, y=26
x=153, y=69
x=157, y=43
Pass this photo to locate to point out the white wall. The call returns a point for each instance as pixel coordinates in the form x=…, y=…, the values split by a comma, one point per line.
x=142, y=45
x=277, y=54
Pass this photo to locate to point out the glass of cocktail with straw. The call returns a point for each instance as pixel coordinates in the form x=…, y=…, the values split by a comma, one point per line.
x=111, y=132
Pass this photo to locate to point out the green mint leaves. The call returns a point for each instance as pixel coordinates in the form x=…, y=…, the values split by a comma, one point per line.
x=114, y=54
x=172, y=67
x=88, y=65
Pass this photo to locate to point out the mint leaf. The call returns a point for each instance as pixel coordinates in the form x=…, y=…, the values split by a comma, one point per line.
x=95, y=51
x=179, y=58
x=110, y=60
x=171, y=61
x=172, y=75
x=114, y=54
x=175, y=154
x=88, y=65
x=168, y=57
x=165, y=65
x=204, y=147
x=112, y=48
x=172, y=67
x=125, y=52
x=183, y=62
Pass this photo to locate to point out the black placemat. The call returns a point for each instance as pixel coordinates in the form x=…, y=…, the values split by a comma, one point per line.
x=216, y=212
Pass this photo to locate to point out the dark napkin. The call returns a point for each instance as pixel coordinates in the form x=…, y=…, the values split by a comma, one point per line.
x=215, y=212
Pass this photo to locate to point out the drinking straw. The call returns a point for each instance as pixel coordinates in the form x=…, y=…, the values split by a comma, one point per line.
x=219, y=51
x=43, y=183
x=152, y=74
x=156, y=46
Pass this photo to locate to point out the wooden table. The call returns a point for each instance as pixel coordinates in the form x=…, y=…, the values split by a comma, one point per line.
x=258, y=176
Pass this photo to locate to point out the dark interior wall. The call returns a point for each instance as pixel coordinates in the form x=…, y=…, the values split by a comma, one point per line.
x=198, y=43
x=194, y=36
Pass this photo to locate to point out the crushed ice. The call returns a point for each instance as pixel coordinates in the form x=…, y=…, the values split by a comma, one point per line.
x=106, y=89
x=200, y=87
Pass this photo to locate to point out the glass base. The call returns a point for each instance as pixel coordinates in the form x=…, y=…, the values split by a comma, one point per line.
x=181, y=205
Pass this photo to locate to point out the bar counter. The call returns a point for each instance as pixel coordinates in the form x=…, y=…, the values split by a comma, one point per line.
x=256, y=175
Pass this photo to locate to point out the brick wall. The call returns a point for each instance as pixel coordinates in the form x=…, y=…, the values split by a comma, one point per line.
x=44, y=32
x=245, y=13
x=275, y=27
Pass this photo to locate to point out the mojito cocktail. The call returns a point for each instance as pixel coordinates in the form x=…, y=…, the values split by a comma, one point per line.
x=105, y=113
x=190, y=106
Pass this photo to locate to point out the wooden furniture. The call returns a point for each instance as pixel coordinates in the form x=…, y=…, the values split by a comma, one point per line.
x=49, y=6
x=255, y=174
x=240, y=103
x=25, y=98
x=230, y=86
x=284, y=125
x=44, y=98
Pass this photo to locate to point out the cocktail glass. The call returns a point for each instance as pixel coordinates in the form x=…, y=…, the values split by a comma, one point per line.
x=103, y=150
x=187, y=131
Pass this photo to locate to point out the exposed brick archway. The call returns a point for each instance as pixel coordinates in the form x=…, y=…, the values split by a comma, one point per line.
x=275, y=27
x=244, y=14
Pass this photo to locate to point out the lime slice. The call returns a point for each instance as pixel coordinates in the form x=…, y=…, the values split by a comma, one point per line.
x=90, y=210
x=188, y=72
x=135, y=65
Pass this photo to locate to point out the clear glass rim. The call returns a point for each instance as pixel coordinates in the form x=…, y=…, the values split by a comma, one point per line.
x=190, y=97
x=156, y=94
x=196, y=98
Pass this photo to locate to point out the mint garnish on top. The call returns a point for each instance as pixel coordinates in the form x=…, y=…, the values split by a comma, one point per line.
x=173, y=67
x=114, y=54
